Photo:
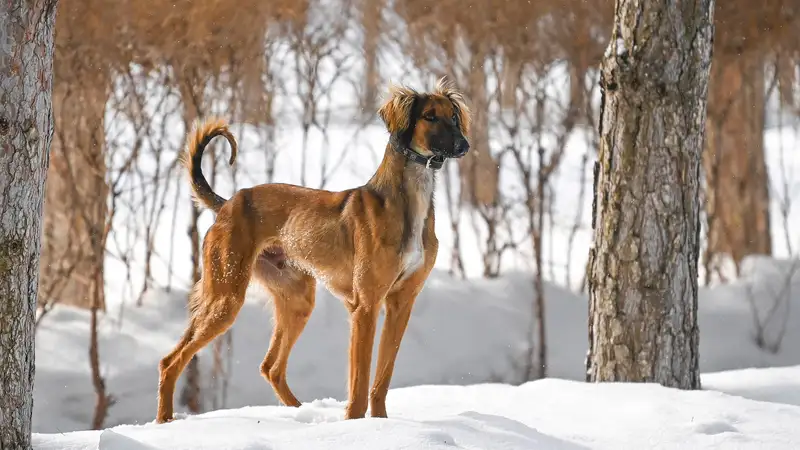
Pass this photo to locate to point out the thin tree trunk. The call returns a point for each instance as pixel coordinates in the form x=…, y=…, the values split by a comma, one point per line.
x=372, y=23
x=737, y=183
x=192, y=110
x=26, y=130
x=190, y=396
x=643, y=265
x=103, y=401
x=478, y=169
x=539, y=306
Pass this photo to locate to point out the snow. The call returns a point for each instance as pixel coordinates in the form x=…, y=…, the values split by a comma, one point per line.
x=775, y=385
x=544, y=414
x=462, y=335
x=619, y=45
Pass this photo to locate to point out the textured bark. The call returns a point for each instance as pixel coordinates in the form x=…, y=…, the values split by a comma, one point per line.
x=643, y=266
x=26, y=127
x=737, y=183
x=75, y=196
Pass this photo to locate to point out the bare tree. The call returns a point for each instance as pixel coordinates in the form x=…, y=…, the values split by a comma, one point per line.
x=26, y=127
x=643, y=266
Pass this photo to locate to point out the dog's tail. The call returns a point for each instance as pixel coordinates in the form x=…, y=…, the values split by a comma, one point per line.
x=192, y=158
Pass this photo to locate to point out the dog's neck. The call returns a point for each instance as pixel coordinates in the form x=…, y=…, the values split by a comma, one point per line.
x=396, y=175
x=411, y=186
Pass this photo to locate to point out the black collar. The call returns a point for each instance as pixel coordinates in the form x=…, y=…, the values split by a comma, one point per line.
x=431, y=162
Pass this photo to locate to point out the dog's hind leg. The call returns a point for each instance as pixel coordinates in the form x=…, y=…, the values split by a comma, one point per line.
x=204, y=326
x=215, y=304
x=293, y=297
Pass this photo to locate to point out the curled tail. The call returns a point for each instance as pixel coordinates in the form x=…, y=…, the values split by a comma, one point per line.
x=192, y=158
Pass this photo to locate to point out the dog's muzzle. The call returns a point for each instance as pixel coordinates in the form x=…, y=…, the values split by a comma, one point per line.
x=460, y=148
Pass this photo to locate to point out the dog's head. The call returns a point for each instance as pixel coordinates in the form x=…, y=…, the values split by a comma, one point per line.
x=430, y=123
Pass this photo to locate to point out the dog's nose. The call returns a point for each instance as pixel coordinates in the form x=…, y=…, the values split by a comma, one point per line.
x=462, y=147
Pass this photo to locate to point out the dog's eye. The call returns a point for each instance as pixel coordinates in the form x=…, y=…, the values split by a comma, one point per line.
x=429, y=117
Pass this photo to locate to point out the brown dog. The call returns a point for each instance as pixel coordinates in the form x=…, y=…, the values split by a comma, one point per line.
x=370, y=245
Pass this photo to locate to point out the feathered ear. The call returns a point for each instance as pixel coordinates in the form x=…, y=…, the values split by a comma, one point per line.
x=446, y=88
x=396, y=111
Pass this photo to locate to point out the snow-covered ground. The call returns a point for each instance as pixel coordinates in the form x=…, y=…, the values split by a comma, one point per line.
x=547, y=414
x=461, y=333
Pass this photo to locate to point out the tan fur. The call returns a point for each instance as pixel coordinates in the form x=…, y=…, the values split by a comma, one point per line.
x=445, y=88
x=200, y=136
x=371, y=246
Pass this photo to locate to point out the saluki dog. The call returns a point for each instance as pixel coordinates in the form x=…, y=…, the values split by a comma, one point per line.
x=373, y=245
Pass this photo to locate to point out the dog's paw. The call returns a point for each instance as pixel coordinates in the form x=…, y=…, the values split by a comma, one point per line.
x=378, y=413
x=161, y=420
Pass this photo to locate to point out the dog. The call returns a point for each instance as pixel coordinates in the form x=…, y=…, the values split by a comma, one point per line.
x=371, y=246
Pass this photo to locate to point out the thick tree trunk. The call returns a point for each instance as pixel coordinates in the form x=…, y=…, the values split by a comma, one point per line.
x=26, y=127
x=737, y=183
x=643, y=266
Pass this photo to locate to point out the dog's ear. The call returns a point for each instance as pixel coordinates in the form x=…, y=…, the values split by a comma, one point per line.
x=396, y=111
x=445, y=88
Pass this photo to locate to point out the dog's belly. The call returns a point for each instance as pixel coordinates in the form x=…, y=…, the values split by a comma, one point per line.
x=337, y=281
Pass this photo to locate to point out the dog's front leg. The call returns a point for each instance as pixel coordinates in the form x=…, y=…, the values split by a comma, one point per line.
x=363, y=319
x=398, y=311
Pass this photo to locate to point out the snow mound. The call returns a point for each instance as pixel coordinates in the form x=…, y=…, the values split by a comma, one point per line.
x=461, y=332
x=544, y=414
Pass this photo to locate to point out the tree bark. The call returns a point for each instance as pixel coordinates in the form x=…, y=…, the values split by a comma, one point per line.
x=643, y=265
x=737, y=182
x=26, y=127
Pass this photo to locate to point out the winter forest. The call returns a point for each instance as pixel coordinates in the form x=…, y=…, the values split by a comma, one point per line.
x=618, y=252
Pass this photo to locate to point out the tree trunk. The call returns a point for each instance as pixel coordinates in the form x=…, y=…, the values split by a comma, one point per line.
x=75, y=195
x=372, y=23
x=26, y=128
x=478, y=169
x=643, y=265
x=190, y=396
x=538, y=284
x=737, y=183
x=192, y=96
x=512, y=67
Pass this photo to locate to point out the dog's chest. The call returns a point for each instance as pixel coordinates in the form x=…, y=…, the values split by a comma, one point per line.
x=419, y=203
x=413, y=257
